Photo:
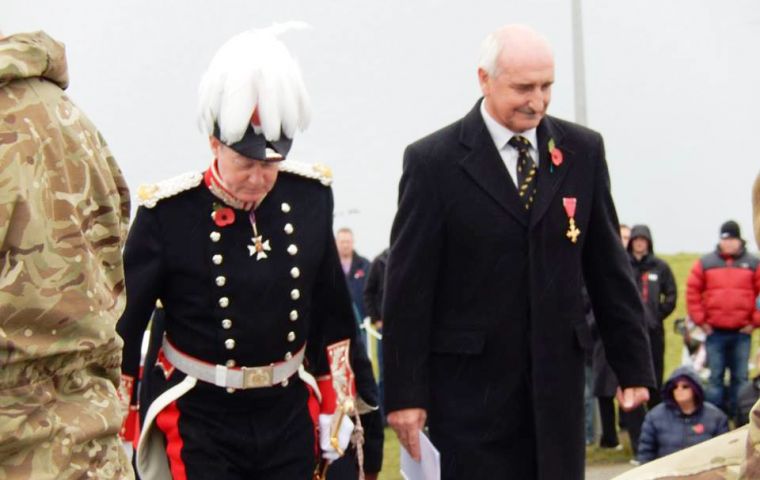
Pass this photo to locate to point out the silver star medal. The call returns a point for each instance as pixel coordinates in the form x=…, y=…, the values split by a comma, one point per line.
x=260, y=247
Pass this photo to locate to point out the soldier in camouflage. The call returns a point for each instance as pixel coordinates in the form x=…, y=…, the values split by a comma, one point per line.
x=64, y=209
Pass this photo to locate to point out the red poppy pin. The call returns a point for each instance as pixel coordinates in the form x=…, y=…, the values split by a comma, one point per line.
x=556, y=154
x=699, y=429
x=222, y=216
x=359, y=273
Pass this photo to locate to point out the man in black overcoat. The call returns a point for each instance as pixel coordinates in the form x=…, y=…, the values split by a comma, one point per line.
x=484, y=325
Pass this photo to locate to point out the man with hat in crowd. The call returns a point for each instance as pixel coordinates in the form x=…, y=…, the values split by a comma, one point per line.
x=720, y=296
x=243, y=259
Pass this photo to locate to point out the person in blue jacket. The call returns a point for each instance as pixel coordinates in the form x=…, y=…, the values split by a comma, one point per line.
x=683, y=419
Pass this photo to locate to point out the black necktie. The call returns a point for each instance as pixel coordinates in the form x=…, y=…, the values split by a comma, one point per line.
x=526, y=170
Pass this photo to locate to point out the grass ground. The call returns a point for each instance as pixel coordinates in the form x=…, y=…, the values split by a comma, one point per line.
x=680, y=264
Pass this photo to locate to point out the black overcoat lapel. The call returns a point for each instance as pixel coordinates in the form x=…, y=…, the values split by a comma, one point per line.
x=486, y=167
x=550, y=176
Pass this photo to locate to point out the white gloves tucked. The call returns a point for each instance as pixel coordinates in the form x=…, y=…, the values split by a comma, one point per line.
x=326, y=433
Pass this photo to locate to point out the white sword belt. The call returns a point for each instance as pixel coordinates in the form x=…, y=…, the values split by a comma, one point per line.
x=233, y=377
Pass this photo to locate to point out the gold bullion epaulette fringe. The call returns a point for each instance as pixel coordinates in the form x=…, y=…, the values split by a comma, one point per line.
x=150, y=194
x=315, y=171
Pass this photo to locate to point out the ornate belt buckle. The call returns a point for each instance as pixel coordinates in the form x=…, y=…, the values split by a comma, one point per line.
x=257, y=377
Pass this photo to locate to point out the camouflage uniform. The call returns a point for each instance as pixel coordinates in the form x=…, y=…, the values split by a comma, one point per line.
x=64, y=210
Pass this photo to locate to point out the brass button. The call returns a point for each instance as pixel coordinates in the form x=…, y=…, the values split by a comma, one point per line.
x=295, y=272
x=292, y=249
x=293, y=315
x=288, y=356
x=224, y=302
x=230, y=390
x=285, y=383
x=229, y=344
x=295, y=294
x=215, y=236
x=217, y=259
x=288, y=228
x=230, y=363
x=226, y=324
x=291, y=336
x=221, y=281
x=285, y=207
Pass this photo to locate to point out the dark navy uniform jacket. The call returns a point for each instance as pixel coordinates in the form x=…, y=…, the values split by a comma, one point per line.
x=271, y=309
x=224, y=306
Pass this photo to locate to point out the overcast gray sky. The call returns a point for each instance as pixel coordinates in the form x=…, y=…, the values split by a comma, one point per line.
x=671, y=84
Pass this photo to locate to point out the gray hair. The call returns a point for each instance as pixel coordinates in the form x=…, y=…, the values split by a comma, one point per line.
x=490, y=50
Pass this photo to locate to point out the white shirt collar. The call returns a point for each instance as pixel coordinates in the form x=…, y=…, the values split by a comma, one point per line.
x=501, y=134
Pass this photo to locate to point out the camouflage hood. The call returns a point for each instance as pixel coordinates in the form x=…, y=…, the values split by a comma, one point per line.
x=64, y=210
x=29, y=55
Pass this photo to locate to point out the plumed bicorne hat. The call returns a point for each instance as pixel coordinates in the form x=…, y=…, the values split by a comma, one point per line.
x=252, y=97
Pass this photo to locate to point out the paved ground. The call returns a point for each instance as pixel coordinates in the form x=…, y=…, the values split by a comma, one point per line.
x=605, y=472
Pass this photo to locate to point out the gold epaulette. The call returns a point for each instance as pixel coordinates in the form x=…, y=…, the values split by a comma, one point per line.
x=315, y=171
x=148, y=195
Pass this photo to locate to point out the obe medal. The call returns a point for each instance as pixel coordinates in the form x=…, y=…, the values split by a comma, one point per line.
x=259, y=246
x=572, y=231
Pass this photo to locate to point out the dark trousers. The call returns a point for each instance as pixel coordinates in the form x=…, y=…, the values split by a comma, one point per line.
x=657, y=345
x=632, y=422
x=272, y=439
x=607, y=416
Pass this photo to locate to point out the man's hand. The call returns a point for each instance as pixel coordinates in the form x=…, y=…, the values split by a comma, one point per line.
x=407, y=424
x=706, y=328
x=748, y=329
x=630, y=398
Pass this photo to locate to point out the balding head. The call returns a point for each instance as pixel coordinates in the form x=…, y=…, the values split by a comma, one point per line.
x=516, y=72
x=513, y=44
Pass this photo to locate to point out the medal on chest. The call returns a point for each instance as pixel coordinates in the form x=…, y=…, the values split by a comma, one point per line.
x=259, y=246
x=573, y=232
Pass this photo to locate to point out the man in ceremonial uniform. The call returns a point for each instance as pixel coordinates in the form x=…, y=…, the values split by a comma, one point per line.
x=243, y=259
x=501, y=217
x=64, y=211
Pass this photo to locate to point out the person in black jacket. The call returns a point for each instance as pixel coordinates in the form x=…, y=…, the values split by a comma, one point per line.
x=657, y=287
x=683, y=419
x=355, y=268
x=374, y=292
x=484, y=329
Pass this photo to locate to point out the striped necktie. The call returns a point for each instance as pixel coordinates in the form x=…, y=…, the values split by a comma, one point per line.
x=526, y=170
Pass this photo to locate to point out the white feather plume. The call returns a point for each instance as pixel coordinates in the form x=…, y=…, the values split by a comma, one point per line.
x=251, y=70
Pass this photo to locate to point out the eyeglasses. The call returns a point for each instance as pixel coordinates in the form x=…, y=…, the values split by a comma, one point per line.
x=682, y=386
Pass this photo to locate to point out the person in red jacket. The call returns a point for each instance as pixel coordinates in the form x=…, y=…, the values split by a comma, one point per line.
x=720, y=297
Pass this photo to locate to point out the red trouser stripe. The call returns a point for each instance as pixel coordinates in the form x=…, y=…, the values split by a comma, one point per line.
x=168, y=422
x=313, y=405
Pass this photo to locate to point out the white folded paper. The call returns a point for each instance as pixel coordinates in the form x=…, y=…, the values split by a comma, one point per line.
x=429, y=466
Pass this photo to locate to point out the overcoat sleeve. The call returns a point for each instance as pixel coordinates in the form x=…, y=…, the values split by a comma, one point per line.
x=611, y=286
x=411, y=276
x=372, y=289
